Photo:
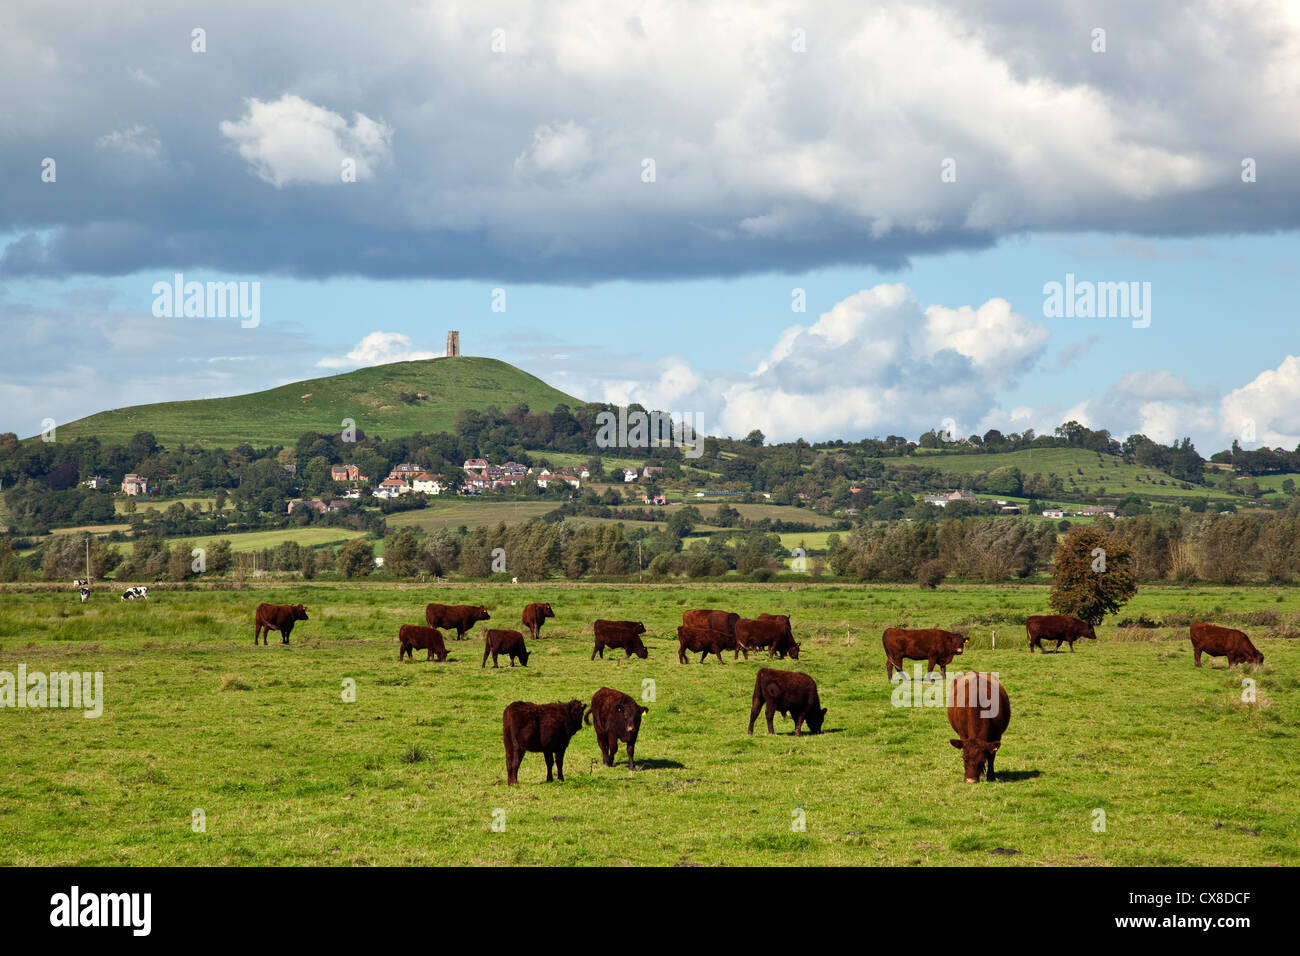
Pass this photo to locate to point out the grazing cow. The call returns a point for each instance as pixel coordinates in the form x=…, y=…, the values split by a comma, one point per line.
x=510, y=643
x=934, y=646
x=277, y=617
x=705, y=641
x=791, y=693
x=459, y=616
x=770, y=631
x=979, y=711
x=81, y=583
x=85, y=594
x=535, y=616
x=724, y=621
x=1223, y=642
x=415, y=636
x=1056, y=627
x=539, y=728
x=624, y=634
x=137, y=593
x=615, y=716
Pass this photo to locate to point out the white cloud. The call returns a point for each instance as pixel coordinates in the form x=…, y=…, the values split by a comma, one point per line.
x=561, y=151
x=138, y=141
x=293, y=141
x=378, y=348
x=1271, y=401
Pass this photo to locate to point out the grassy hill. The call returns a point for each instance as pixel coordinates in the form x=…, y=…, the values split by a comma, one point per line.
x=369, y=396
x=1083, y=472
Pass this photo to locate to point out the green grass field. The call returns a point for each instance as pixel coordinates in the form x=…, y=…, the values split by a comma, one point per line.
x=257, y=540
x=1099, y=471
x=286, y=772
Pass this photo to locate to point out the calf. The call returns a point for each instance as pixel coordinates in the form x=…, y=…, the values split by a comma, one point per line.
x=624, y=634
x=510, y=643
x=706, y=641
x=539, y=728
x=791, y=693
x=459, y=616
x=85, y=594
x=1056, y=627
x=979, y=711
x=934, y=646
x=414, y=636
x=615, y=716
x=534, y=617
x=1223, y=642
x=771, y=631
x=276, y=617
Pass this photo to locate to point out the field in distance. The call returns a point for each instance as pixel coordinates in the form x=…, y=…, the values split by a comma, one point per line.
x=286, y=772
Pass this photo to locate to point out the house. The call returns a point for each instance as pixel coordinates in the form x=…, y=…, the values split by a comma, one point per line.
x=943, y=500
x=510, y=481
x=629, y=474
x=651, y=471
x=346, y=473
x=135, y=485
x=429, y=484
x=1053, y=513
x=99, y=481
x=317, y=506
x=493, y=472
x=352, y=493
x=659, y=499
x=1011, y=509
x=391, y=488
x=514, y=468
x=405, y=470
x=545, y=478
x=476, y=483
x=1093, y=511
x=475, y=464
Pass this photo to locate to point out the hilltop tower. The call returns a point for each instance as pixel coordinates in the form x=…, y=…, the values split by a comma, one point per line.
x=453, y=344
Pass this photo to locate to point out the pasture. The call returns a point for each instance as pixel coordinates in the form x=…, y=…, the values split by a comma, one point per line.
x=285, y=771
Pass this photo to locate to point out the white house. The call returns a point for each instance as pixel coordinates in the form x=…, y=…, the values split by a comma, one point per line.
x=1053, y=513
x=429, y=484
x=629, y=474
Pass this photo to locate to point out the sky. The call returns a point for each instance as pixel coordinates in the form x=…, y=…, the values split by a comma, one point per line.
x=822, y=220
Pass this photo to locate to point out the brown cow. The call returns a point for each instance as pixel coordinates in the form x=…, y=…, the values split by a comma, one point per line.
x=510, y=643
x=791, y=693
x=931, y=645
x=616, y=717
x=460, y=616
x=276, y=617
x=1056, y=627
x=624, y=634
x=979, y=711
x=534, y=617
x=724, y=621
x=539, y=728
x=771, y=631
x=1223, y=642
x=414, y=636
x=706, y=641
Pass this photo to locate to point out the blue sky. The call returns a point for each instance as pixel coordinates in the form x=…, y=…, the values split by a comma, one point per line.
x=813, y=163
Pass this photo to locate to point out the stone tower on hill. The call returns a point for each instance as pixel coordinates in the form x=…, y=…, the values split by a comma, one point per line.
x=453, y=344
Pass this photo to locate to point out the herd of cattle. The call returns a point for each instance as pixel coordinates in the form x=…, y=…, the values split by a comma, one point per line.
x=979, y=709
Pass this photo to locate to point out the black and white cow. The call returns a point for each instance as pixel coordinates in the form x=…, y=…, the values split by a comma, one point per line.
x=85, y=594
x=81, y=583
x=139, y=591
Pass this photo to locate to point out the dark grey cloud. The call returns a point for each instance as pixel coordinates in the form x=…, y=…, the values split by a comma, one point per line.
x=526, y=164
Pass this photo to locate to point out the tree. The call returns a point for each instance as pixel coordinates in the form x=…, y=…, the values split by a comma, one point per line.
x=1093, y=574
x=356, y=558
x=401, y=554
x=755, y=438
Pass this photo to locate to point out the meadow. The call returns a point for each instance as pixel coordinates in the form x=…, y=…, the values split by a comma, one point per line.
x=285, y=771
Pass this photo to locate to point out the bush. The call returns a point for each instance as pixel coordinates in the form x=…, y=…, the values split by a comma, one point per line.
x=931, y=574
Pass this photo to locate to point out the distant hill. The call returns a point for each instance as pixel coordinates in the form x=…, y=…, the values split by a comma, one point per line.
x=372, y=397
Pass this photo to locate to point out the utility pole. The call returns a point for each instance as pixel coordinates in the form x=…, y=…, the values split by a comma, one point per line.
x=638, y=561
x=87, y=559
